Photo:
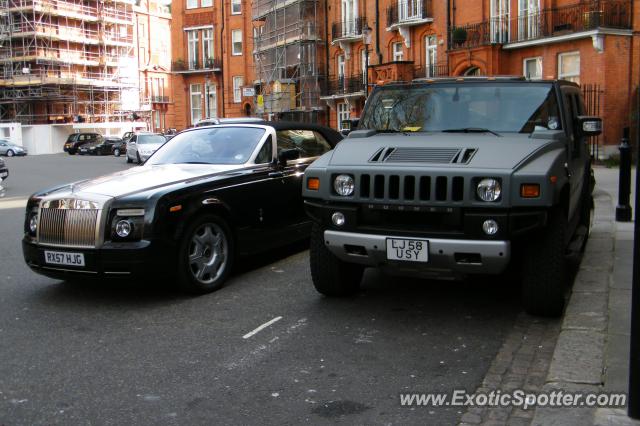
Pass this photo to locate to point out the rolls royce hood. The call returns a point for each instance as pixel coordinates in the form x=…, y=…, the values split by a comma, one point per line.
x=485, y=151
x=142, y=178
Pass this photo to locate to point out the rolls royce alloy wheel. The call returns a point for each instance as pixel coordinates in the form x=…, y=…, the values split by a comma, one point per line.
x=544, y=280
x=206, y=254
x=330, y=275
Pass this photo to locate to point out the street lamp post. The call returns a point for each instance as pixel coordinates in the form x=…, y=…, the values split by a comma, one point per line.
x=366, y=40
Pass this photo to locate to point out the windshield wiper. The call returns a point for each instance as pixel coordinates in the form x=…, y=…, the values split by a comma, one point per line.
x=195, y=162
x=471, y=130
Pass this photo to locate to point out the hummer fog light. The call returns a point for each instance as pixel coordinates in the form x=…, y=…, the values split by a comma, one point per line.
x=489, y=190
x=344, y=185
x=123, y=228
x=338, y=219
x=33, y=224
x=490, y=227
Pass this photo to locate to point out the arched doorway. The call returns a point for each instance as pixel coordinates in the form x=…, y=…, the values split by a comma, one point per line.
x=472, y=72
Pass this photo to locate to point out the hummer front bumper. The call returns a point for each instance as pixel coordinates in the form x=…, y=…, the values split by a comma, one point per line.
x=446, y=256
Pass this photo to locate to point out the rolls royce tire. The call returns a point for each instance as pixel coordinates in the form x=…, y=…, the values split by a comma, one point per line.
x=544, y=279
x=330, y=275
x=205, y=255
x=116, y=152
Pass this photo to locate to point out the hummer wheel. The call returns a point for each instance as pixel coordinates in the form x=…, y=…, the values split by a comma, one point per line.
x=330, y=275
x=544, y=268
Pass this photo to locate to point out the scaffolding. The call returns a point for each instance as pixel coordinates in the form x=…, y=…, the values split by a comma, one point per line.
x=65, y=60
x=289, y=58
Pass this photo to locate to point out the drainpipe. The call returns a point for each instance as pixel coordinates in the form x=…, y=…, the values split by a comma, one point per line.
x=378, y=52
x=222, y=58
x=326, y=58
x=448, y=29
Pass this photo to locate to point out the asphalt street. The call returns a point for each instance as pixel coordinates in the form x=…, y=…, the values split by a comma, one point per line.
x=141, y=353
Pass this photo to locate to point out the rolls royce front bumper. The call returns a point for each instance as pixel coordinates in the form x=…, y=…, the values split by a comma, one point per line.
x=446, y=256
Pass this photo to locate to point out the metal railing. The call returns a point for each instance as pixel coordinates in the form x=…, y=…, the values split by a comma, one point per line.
x=350, y=28
x=160, y=99
x=408, y=10
x=546, y=23
x=345, y=85
x=429, y=71
x=197, y=65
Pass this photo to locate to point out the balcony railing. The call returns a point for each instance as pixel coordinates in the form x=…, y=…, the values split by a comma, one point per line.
x=430, y=71
x=195, y=65
x=546, y=23
x=351, y=28
x=160, y=99
x=406, y=11
x=345, y=85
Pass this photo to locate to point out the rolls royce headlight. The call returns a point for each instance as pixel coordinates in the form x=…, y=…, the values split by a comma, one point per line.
x=123, y=228
x=489, y=189
x=344, y=185
x=33, y=223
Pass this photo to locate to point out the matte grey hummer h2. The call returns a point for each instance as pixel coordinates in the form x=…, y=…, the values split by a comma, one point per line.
x=451, y=177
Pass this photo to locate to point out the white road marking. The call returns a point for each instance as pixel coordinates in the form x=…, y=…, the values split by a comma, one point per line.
x=262, y=327
x=13, y=203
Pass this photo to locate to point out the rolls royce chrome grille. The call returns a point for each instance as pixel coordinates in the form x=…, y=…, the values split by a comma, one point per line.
x=68, y=228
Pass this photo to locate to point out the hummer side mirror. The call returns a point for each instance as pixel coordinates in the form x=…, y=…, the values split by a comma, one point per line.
x=589, y=125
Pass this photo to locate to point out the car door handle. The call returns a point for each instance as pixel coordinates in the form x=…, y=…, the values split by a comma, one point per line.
x=276, y=174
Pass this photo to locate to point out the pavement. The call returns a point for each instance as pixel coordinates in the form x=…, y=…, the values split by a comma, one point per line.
x=592, y=350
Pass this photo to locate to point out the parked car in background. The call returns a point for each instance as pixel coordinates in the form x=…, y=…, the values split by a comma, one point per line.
x=141, y=145
x=206, y=197
x=126, y=136
x=105, y=147
x=4, y=170
x=76, y=140
x=9, y=149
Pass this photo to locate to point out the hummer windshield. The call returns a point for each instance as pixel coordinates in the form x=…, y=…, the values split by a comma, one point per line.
x=463, y=107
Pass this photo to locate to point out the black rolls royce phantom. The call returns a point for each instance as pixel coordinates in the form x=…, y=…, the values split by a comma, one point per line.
x=208, y=195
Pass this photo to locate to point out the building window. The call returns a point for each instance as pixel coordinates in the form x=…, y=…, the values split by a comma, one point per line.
x=207, y=47
x=207, y=3
x=532, y=68
x=192, y=48
x=236, y=7
x=236, y=40
x=192, y=4
x=528, y=19
x=341, y=66
x=569, y=66
x=349, y=13
x=398, y=54
x=499, y=21
x=210, y=100
x=156, y=121
x=343, y=114
x=431, y=55
x=363, y=61
x=196, y=103
x=238, y=81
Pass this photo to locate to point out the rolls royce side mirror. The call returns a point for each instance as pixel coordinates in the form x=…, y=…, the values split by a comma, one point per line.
x=288, y=155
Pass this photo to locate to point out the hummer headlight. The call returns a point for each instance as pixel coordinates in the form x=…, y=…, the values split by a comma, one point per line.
x=489, y=189
x=344, y=185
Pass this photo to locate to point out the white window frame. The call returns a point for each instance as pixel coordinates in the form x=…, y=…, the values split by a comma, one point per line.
x=500, y=11
x=398, y=53
x=195, y=107
x=210, y=100
x=575, y=77
x=341, y=66
x=236, y=7
x=192, y=4
x=528, y=19
x=207, y=45
x=192, y=48
x=236, y=37
x=343, y=113
x=538, y=60
x=238, y=82
x=206, y=3
x=349, y=12
x=431, y=54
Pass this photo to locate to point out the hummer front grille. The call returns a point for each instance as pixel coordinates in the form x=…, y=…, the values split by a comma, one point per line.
x=411, y=188
x=68, y=228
